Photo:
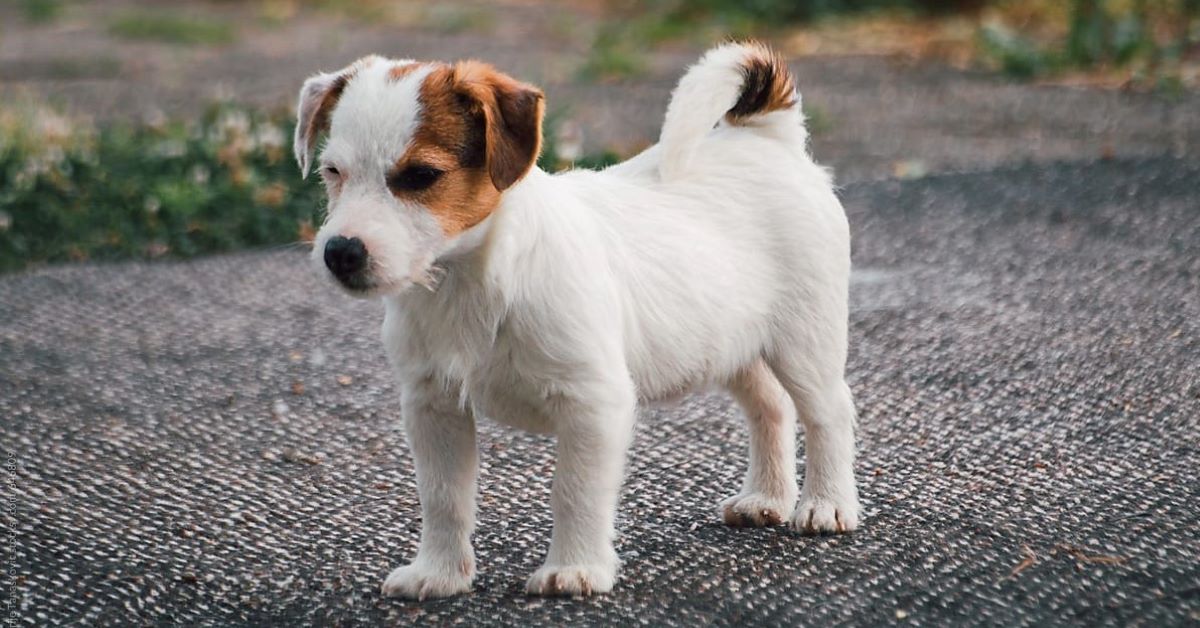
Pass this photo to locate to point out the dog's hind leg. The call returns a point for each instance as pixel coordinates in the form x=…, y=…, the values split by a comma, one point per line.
x=769, y=488
x=829, y=498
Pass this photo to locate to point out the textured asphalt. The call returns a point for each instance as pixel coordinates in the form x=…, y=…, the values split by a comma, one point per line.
x=217, y=442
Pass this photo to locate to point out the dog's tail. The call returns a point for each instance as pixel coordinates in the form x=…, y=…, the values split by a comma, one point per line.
x=738, y=82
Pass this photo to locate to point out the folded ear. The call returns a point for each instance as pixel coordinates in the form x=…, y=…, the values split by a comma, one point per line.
x=317, y=98
x=512, y=113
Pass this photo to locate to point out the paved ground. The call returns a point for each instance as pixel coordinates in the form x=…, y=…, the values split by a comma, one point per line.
x=217, y=442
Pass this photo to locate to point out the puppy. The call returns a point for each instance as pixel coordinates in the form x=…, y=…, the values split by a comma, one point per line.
x=554, y=303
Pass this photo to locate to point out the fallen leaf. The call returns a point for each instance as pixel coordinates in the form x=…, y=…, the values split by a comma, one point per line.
x=305, y=231
x=1092, y=559
x=294, y=455
x=909, y=169
x=1029, y=561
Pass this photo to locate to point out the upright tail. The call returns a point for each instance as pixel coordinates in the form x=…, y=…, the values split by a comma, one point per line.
x=737, y=82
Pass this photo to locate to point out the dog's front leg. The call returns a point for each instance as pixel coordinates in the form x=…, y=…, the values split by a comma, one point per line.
x=592, y=442
x=441, y=436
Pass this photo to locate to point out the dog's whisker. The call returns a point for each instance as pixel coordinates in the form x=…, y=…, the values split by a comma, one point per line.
x=287, y=246
x=431, y=278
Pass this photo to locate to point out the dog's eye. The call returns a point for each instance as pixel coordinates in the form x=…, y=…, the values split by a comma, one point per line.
x=414, y=178
x=331, y=172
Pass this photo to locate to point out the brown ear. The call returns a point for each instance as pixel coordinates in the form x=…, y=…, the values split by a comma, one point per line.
x=512, y=113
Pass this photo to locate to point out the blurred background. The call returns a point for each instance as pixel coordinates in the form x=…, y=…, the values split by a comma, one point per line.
x=162, y=129
x=211, y=439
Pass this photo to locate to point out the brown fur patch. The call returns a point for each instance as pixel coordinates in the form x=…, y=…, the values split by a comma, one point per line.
x=400, y=71
x=513, y=113
x=767, y=85
x=482, y=129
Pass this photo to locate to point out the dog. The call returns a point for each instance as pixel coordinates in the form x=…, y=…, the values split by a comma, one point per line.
x=556, y=303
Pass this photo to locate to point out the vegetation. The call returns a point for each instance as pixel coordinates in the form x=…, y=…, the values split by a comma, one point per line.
x=1148, y=40
x=787, y=11
x=171, y=28
x=613, y=56
x=71, y=192
x=41, y=10
x=1151, y=37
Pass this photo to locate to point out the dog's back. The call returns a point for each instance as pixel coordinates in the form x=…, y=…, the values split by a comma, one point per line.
x=727, y=219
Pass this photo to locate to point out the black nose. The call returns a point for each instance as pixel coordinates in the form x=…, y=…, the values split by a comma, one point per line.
x=345, y=256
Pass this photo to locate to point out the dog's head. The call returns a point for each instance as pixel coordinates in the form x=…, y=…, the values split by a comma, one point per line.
x=418, y=153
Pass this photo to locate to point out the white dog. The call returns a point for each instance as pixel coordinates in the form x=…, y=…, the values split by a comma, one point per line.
x=554, y=303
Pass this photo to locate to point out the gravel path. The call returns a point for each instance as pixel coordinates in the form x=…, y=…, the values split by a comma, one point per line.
x=217, y=442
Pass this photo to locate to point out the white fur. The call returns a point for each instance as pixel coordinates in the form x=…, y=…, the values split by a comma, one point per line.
x=702, y=97
x=720, y=256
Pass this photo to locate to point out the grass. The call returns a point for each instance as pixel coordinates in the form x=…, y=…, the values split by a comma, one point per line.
x=613, y=57
x=370, y=11
x=70, y=68
x=450, y=20
x=73, y=192
x=171, y=28
x=1141, y=43
x=1147, y=40
x=41, y=10
x=70, y=192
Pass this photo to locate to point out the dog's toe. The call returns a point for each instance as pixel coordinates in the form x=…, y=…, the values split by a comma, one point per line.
x=754, y=510
x=818, y=515
x=571, y=580
x=424, y=582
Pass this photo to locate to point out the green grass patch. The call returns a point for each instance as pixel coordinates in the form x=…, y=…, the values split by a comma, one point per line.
x=227, y=181
x=451, y=20
x=817, y=120
x=41, y=10
x=367, y=11
x=1150, y=37
x=171, y=28
x=776, y=12
x=71, y=68
x=69, y=192
x=613, y=56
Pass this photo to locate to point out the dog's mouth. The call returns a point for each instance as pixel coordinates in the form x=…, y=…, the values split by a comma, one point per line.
x=364, y=286
x=379, y=279
x=359, y=284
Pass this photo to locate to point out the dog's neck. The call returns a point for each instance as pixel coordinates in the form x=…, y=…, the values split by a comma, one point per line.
x=473, y=248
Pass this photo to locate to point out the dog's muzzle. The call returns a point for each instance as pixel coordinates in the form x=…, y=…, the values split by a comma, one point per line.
x=346, y=258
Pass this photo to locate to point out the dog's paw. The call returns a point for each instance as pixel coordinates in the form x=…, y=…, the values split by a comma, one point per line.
x=422, y=582
x=755, y=510
x=819, y=514
x=571, y=580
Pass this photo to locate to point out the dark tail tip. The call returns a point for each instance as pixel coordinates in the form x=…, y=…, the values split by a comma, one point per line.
x=767, y=84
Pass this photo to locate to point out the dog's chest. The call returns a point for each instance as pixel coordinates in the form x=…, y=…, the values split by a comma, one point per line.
x=468, y=344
